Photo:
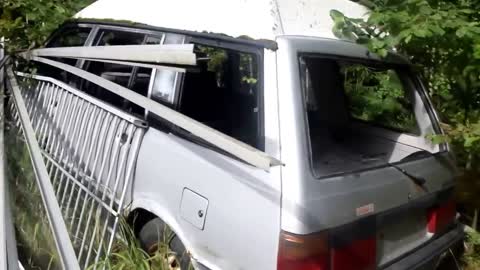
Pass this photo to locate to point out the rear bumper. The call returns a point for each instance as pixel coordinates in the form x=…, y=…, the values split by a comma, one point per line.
x=426, y=254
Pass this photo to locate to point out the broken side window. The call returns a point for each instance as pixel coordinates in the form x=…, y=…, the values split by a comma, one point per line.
x=164, y=84
x=223, y=93
x=134, y=78
x=68, y=37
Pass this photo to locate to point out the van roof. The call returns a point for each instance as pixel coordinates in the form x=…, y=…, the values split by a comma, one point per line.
x=256, y=19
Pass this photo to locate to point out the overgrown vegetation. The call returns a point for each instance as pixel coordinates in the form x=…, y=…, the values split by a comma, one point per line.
x=27, y=23
x=35, y=242
x=128, y=254
x=471, y=259
x=378, y=96
x=442, y=39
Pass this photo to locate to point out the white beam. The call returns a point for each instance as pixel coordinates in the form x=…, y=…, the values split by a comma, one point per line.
x=174, y=54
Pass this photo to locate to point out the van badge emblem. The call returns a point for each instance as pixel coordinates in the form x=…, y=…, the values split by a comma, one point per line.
x=364, y=210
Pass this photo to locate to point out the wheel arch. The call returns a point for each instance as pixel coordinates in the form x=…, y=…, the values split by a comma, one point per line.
x=143, y=210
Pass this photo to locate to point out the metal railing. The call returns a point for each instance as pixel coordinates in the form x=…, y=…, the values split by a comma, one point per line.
x=90, y=150
x=17, y=110
x=3, y=193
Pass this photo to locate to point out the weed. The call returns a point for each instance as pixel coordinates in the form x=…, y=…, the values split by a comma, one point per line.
x=128, y=254
x=471, y=258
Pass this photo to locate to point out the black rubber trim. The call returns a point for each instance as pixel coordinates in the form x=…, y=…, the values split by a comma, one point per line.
x=261, y=43
x=425, y=254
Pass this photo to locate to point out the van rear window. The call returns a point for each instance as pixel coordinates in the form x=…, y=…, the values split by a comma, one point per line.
x=357, y=113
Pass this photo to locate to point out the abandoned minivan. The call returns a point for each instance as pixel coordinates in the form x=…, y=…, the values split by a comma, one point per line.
x=249, y=131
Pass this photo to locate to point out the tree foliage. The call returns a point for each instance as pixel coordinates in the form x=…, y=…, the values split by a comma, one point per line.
x=378, y=96
x=442, y=38
x=27, y=23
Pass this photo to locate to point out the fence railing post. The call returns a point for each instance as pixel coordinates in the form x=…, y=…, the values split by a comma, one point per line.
x=3, y=204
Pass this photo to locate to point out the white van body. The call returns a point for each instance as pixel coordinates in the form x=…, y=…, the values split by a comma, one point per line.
x=232, y=215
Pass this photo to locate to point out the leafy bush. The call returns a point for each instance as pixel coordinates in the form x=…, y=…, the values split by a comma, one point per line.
x=27, y=23
x=471, y=259
x=378, y=96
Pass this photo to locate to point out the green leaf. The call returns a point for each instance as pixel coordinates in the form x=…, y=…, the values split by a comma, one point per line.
x=469, y=141
x=476, y=51
x=436, y=16
x=436, y=29
x=336, y=15
x=421, y=32
x=461, y=32
x=425, y=10
x=382, y=53
x=438, y=139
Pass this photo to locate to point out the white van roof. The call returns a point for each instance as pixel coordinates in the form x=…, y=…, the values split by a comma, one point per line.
x=257, y=19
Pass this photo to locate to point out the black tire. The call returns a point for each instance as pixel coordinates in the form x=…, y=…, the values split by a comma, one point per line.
x=156, y=231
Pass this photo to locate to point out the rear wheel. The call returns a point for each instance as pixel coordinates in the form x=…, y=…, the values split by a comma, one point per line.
x=161, y=242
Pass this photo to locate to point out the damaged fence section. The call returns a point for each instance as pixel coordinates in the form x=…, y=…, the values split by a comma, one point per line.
x=89, y=149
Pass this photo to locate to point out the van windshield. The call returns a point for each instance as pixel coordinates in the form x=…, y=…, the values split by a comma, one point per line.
x=360, y=115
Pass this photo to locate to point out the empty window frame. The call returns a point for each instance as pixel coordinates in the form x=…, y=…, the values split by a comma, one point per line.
x=225, y=92
x=356, y=113
x=70, y=36
x=137, y=79
x=164, y=83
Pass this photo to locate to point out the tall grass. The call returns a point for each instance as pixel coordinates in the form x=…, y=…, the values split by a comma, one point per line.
x=128, y=254
x=35, y=241
x=471, y=258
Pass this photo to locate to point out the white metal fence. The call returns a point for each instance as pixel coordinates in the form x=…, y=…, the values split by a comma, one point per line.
x=90, y=150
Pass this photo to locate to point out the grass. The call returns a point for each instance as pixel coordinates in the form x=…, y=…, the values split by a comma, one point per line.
x=35, y=242
x=127, y=253
x=471, y=258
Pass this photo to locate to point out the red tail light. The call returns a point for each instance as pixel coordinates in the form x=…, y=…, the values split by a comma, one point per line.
x=440, y=217
x=312, y=252
x=360, y=254
x=305, y=252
